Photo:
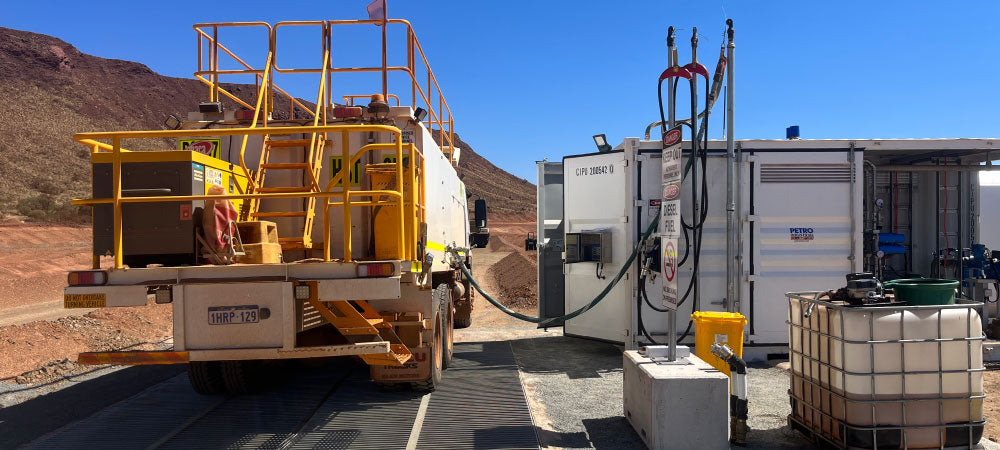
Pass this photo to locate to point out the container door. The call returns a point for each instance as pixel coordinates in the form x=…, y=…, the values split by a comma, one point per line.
x=802, y=234
x=712, y=260
x=551, y=281
x=595, y=196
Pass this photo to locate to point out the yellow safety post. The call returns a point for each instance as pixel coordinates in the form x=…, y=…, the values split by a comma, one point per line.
x=345, y=168
x=116, y=194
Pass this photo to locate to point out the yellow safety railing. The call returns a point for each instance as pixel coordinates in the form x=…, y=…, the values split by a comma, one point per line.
x=261, y=101
x=414, y=206
x=211, y=75
x=407, y=237
x=440, y=118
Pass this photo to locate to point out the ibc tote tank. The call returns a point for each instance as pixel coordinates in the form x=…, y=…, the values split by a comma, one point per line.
x=891, y=376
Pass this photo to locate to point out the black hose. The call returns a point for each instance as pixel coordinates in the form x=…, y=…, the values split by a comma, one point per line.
x=547, y=322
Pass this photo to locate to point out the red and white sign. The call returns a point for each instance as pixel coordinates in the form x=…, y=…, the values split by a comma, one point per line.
x=672, y=137
x=205, y=146
x=185, y=211
x=670, y=213
x=671, y=191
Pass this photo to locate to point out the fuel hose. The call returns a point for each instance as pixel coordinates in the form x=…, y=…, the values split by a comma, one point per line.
x=548, y=322
x=455, y=251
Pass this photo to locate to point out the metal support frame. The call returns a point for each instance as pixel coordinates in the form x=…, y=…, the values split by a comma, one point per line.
x=672, y=314
x=732, y=189
x=854, y=229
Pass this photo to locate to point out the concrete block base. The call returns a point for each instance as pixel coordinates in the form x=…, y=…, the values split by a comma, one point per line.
x=676, y=406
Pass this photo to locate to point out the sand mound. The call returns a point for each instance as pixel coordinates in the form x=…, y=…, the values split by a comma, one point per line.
x=499, y=245
x=517, y=280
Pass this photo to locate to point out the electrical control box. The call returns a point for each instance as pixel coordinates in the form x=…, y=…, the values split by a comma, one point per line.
x=162, y=233
x=588, y=246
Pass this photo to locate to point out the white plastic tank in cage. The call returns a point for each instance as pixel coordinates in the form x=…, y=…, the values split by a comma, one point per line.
x=888, y=375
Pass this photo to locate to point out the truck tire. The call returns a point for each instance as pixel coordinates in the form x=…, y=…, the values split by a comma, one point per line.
x=206, y=377
x=437, y=357
x=447, y=308
x=242, y=377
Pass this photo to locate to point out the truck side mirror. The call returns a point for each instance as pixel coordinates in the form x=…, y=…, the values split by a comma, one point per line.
x=480, y=213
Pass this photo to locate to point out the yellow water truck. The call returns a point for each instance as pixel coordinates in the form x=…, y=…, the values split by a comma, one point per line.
x=316, y=231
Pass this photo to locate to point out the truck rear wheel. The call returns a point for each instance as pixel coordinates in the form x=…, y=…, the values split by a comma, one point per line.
x=437, y=358
x=206, y=377
x=243, y=377
x=448, y=325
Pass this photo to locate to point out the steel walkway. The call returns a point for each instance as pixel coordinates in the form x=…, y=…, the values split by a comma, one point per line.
x=480, y=404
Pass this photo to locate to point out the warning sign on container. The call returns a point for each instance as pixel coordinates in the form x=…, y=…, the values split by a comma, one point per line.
x=337, y=162
x=670, y=213
x=670, y=219
x=205, y=146
x=669, y=246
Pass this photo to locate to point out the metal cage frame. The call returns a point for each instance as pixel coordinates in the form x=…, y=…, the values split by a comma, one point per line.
x=809, y=301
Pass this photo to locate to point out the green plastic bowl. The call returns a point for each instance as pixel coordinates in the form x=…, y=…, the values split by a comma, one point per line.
x=924, y=291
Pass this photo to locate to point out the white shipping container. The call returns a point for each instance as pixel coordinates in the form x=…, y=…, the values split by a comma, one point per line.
x=802, y=224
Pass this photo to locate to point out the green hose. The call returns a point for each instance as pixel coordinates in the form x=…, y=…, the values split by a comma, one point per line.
x=547, y=322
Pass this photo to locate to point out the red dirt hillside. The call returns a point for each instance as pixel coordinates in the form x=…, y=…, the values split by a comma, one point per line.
x=506, y=195
x=51, y=90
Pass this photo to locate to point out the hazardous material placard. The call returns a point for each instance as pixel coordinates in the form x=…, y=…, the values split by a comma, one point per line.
x=669, y=248
x=670, y=213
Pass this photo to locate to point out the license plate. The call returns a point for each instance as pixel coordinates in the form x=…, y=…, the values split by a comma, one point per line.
x=225, y=315
x=84, y=300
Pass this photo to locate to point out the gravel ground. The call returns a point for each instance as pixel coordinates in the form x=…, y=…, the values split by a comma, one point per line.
x=576, y=397
x=574, y=390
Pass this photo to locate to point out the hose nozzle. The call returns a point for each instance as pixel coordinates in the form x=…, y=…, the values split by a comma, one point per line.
x=722, y=351
x=694, y=45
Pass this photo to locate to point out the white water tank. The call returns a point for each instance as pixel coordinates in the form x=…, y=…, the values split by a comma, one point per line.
x=906, y=376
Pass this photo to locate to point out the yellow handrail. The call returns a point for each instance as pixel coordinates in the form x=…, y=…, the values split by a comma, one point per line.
x=261, y=94
x=319, y=106
x=293, y=102
x=440, y=114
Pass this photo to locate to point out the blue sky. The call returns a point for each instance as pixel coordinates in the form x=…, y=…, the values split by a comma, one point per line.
x=529, y=79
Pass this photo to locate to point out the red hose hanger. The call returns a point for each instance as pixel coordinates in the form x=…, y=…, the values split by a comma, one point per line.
x=695, y=67
x=676, y=72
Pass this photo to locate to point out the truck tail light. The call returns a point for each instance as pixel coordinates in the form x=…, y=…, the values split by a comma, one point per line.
x=87, y=278
x=375, y=270
x=343, y=112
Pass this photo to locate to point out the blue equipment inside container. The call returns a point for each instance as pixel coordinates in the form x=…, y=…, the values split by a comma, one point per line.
x=891, y=238
x=980, y=263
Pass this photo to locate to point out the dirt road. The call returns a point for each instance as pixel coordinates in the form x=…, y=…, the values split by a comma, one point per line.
x=34, y=260
x=39, y=339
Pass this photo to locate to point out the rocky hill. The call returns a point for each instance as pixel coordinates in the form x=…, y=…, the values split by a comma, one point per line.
x=505, y=194
x=51, y=90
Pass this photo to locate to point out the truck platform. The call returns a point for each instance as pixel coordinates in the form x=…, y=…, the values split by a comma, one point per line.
x=480, y=404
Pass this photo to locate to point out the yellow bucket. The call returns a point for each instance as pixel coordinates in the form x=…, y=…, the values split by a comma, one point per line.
x=711, y=327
